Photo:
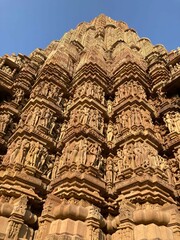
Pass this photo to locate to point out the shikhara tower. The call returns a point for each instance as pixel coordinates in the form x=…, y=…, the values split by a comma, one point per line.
x=89, y=138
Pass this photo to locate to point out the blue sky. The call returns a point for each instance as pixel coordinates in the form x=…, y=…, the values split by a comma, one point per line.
x=28, y=24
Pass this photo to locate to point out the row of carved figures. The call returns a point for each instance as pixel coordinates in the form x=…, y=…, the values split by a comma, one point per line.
x=87, y=115
x=131, y=88
x=39, y=116
x=132, y=155
x=29, y=153
x=140, y=154
x=174, y=68
x=48, y=90
x=44, y=117
x=81, y=152
x=90, y=89
x=135, y=116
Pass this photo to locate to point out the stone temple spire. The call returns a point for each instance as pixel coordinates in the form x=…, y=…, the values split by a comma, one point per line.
x=89, y=138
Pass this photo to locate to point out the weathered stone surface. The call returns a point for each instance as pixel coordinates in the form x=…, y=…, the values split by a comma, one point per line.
x=90, y=138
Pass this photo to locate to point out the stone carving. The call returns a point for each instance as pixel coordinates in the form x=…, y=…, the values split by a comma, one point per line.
x=7, y=69
x=13, y=230
x=129, y=89
x=18, y=95
x=4, y=121
x=89, y=138
x=48, y=90
x=63, y=130
x=138, y=154
x=89, y=116
x=172, y=121
x=39, y=117
x=90, y=89
x=81, y=152
x=110, y=132
x=134, y=117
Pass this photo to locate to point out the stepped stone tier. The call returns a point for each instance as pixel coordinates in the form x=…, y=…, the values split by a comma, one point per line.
x=90, y=138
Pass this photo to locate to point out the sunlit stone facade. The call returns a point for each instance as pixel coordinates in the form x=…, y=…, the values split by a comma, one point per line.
x=90, y=138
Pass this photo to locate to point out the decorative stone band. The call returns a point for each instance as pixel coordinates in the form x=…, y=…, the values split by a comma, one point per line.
x=6, y=209
x=148, y=216
x=78, y=213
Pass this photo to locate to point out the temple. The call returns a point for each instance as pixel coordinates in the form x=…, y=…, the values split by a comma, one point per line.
x=90, y=138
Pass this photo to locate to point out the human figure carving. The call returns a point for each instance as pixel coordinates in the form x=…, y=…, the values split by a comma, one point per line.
x=18, y=95
x=109, y=170
x=92, y=119
x=7, y=69
x=110, y=132
x=15, y=151
x=153, y=158
x=89, y=89
x=118, y=125
x=138, y=154
x=169, y=123
x=100, y=122
x=46, y=118
x=42, y=157
x=52, y=125
x=84, y=115
x=125, y=153
x=124, y=118
x=51, y=90
x=116, y=100
x=59, y=99
x=4, y=121
x=120, y=163
x=33, y=117
x=56, y=167
x=63, y=130
x=74, y=152
x=83, y=149
x=23, y=150
x=48, y=171
x=93, y=154
x=37, y=90
x=109, y=107
x=45, y=89
x=146, y=119
x=33, y=153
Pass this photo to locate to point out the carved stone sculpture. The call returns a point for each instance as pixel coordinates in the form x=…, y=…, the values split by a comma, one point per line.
x=89, y=138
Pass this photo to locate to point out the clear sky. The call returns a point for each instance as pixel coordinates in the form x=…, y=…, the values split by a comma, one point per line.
x=29, y=24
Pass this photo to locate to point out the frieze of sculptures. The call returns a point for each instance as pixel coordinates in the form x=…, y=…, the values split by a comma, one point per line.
x=89, y=145
x=48, y=90
x=134, y=117
x=129, y=89
x=29, y=153
x=81, y=152
x=90, y=89
x=85, y=115
x=39, y=117
x=138, y=154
